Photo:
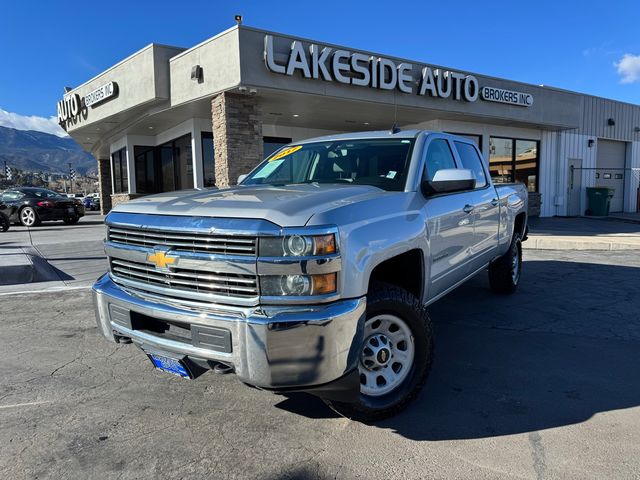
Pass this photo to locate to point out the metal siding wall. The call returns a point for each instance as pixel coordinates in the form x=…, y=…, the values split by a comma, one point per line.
x=632, y=178
x=596, y=111
x=571, y=145
x=547, y=173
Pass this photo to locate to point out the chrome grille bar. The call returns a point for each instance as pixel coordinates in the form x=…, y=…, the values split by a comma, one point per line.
x=221, y=284
x=187, y=241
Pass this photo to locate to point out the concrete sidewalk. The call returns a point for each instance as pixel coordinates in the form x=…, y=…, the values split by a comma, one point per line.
x=52, y=256
x=580, y=233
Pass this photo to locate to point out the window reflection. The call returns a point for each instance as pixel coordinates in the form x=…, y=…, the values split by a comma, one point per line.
x=120, y=172
x=514, y=160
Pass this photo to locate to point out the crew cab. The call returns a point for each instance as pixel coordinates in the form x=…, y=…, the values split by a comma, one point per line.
x=315, y=273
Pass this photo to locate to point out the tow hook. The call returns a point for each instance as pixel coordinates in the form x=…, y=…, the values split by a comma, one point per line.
x=222, y=369
x=121, y=339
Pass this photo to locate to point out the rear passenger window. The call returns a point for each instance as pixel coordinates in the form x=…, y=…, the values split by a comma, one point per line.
x=472, y=161
x=439, y=157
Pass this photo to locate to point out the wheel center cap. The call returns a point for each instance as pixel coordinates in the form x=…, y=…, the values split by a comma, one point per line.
x=382, y=356
x=376, y=352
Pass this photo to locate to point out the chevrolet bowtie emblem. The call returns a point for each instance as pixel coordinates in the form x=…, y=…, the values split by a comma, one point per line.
x=161, y=259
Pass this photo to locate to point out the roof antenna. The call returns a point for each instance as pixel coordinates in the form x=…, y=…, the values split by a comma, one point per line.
x=395, y=128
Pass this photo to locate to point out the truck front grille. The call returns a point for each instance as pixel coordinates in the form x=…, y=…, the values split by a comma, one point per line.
x=181, y=282
x=187, y=241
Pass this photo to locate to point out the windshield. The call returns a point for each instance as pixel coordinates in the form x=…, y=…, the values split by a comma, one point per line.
x=381, y=163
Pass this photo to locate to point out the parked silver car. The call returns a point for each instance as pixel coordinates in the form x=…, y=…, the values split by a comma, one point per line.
x=315, y=273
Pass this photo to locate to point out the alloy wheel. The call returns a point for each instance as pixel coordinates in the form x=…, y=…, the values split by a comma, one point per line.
x=28, y=217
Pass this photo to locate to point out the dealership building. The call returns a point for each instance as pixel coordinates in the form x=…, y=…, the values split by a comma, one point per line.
x=169, y=118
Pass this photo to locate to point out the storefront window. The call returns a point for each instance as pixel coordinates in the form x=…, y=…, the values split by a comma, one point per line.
x=271, y=144
x=120, y=172
x=514, y=160
x=183, y=161
x=145, y=170
x=526, y=170
x=208, y=160
x=164, y=168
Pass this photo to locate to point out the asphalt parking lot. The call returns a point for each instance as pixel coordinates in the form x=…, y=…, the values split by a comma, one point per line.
x=541, y=384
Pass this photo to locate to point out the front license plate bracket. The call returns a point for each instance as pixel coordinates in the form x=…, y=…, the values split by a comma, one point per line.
x=171, y=364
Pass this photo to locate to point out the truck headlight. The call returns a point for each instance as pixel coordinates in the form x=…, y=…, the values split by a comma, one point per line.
x=298, y=245
x=298, y=285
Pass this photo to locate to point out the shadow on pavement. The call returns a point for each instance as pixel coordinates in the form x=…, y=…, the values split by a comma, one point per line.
x=562, y=349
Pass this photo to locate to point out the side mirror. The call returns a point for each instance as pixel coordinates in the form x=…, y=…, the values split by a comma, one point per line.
x=449, y=180
x=241, y=178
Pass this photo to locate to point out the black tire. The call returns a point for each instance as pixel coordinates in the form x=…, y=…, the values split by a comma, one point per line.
x=5, y=224
x=392, y=300
x=71, y=220
x=26, y=214
x=505, y=273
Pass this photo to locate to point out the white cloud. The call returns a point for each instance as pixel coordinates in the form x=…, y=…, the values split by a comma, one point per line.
x=628, y=68
x=33, y=122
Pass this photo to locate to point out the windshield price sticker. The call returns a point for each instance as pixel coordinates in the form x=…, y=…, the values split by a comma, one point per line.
x=285, y=152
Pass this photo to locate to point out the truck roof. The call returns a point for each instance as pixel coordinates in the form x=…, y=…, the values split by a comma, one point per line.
x=363, y=135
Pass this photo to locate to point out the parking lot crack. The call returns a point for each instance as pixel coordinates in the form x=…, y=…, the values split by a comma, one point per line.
x=65, y=365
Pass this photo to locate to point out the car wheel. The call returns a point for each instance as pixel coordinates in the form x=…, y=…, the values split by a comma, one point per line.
x=395, y=357
x=71, y=220
x=504, y=273
x=29, y=217
x=5, y=224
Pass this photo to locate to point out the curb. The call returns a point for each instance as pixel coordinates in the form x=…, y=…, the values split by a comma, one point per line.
x=540, y=242
x=24, y=266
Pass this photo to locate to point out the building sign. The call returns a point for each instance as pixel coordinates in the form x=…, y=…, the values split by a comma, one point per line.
x=100, y=94
x=507, y=96
x=69, y=107
x=352, y=68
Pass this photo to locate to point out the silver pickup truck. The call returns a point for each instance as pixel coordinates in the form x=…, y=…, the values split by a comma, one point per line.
x=315, y=272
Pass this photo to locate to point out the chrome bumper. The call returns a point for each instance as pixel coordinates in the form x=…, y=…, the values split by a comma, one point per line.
x=271, y=347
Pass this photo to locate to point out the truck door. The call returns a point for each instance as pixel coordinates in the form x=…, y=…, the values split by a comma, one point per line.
x=449, y=224
x=486, y=210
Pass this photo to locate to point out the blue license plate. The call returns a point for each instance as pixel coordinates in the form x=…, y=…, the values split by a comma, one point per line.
x=169, y=365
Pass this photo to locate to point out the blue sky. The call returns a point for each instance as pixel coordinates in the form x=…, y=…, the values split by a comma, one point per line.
x=591, y=47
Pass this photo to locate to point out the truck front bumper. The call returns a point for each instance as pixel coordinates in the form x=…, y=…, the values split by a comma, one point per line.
x=276, y=348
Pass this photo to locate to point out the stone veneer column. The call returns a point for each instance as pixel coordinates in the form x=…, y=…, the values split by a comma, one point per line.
x=104, y=177
x=237, y=136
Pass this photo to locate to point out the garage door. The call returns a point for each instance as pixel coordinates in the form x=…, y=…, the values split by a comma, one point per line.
x=610, y=162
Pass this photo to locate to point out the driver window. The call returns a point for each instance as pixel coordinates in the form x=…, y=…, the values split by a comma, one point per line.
x=439, y=157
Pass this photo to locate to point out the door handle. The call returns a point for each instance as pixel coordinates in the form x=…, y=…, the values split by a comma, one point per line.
x=468, y=208
x=495, y=202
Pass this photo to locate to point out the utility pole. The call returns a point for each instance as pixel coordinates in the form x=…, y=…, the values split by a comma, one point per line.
x=70, y=178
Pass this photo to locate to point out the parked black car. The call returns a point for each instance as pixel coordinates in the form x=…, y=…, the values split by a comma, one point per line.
x=4, y=219
x=30, y=205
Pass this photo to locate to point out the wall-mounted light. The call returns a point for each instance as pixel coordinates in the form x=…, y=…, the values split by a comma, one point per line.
x=238, y=19
x=196, y=73
x=611, y=122
x=590, y=142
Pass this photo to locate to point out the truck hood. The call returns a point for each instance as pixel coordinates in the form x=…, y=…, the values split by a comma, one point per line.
x=286, y=206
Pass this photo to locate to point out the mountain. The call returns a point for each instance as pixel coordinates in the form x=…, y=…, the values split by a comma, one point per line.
x=38, y=151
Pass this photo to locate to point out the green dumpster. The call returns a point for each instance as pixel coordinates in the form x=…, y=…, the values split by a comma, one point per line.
x=599, y=200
